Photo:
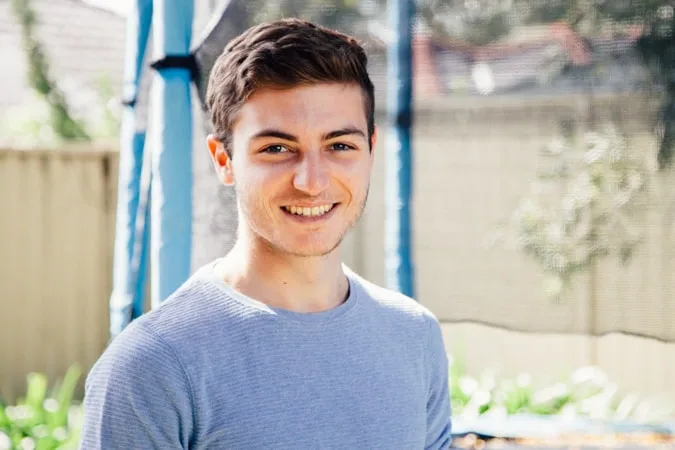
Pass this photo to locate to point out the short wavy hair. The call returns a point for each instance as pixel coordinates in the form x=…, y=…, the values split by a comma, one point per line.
x=283, y=54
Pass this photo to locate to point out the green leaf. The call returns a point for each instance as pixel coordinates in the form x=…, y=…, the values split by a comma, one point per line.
x=65, y=397
x=37, y=390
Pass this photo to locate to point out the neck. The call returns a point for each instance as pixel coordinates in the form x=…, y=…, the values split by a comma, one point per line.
x=296, y=283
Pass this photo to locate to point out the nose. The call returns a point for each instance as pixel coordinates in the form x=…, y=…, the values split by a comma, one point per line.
x=311, y=176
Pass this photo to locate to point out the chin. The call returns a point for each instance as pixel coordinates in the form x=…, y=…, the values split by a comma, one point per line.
x=309, y=250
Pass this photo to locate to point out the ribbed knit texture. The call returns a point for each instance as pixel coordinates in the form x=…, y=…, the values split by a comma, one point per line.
x=213, y=369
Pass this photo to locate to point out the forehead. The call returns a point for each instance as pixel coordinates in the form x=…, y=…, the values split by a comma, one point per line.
x=305, y=109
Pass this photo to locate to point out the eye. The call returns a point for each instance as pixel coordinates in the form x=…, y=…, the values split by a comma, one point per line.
x=275, y=149
x=340, y=147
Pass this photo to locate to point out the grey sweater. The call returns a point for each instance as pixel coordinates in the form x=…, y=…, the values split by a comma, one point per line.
x=214, y=369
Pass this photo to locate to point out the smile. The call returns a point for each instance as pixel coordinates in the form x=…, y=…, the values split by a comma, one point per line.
x=314, y=211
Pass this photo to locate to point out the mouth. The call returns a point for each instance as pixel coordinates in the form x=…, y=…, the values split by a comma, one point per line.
x=306, y=213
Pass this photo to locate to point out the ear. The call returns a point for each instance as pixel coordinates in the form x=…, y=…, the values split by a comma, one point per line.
x=373, y=142
x=221, y=160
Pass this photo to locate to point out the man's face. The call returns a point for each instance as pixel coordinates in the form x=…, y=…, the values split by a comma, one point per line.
x=301, y=164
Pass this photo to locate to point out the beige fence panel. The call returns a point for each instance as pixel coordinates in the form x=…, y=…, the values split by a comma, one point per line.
x=56, y=236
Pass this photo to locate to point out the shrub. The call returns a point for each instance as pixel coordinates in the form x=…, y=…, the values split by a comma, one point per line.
x=43, y=420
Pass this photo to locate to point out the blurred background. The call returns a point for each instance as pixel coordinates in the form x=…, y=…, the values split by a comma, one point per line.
x=542, y=208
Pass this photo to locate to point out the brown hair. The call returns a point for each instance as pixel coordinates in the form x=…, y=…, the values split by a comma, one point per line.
x=283, y=54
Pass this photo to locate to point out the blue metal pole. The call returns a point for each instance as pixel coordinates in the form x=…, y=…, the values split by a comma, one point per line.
x=171, y=143
x=139, y=260
x=398, y=248
x=129, y=270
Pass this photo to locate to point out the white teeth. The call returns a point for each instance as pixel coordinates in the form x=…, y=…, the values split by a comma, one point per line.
x=309, y=212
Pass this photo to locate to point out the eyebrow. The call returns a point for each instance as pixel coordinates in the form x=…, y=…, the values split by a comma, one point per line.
x=343, y=132
x=272, y=133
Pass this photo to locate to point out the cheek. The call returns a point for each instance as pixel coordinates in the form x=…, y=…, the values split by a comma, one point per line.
x=249, y=176
x=357, y=178
x=262, y=186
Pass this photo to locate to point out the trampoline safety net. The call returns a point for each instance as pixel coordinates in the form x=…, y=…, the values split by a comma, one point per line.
x=543, y=140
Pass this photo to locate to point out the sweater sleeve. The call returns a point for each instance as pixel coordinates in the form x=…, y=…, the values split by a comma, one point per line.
x=438, y=401
x=137, y=395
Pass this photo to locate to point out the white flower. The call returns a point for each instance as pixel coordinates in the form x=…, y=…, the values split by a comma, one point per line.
x=589, y=374
x=529, y=213
x=524, y=379
x=488, y=380
x=550, y=393
x=5, y=442
x=553, y=285
x=50, y=405
x=60, y=434
x=556, y=146
x=19, y=413
x=555, y=233
x=468, y=385
x=27, y=443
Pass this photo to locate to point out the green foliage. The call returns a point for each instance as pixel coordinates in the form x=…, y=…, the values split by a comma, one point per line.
x=105, y=111
x=63, y=124
x=581, y=206
x=587, y=392
x=29, y=124
x=42, y=420
x=52, y=421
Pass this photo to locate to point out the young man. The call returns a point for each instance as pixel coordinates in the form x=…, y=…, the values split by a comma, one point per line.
x=278, y=345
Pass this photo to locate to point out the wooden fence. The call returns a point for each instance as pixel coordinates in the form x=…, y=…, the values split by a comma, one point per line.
x=56, y=237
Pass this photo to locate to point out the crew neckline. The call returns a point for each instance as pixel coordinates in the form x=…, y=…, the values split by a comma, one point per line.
x=322, y=317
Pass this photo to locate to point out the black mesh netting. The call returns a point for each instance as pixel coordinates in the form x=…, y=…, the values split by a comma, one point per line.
x=546, y=124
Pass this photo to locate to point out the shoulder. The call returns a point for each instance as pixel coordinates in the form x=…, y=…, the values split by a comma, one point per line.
x=159, y=341
x=135, y=356
x=168, y=338
x=138, y=393
x=404, y=317
x=196, y=310
x=396, y=305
